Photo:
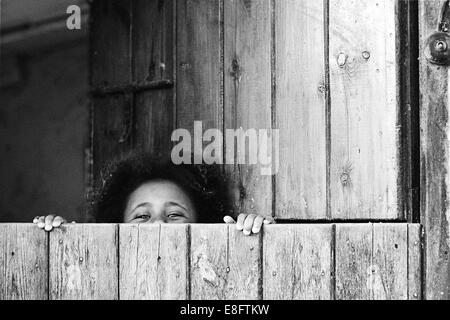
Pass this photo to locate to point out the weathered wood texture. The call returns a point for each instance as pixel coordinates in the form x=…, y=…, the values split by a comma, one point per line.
x=83, y=262
x=113, y=129
x=110, y=40
x=364, y=108
x=153, y=262
x=298, y=262
x=373, y=262
x=154, y=121
x=434, y=163
x=23, y=262
x=300, y=109
x=247, y=43
x=225, y=264
x=308, y=261
x=199, y=64
x=153, y=36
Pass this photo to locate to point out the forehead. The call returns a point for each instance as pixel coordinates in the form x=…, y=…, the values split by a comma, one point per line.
x=159, y=191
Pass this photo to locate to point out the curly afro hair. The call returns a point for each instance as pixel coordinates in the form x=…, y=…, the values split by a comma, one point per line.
x=205, y=184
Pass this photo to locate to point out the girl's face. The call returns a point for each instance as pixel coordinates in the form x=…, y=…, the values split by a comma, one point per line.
x=159, y=201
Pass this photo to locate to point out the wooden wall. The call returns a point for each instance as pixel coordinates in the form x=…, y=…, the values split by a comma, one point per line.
x=148, y=261
x=326, y=73
x=434, y=160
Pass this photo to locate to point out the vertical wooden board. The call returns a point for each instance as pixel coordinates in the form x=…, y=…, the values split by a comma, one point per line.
x=353, y=261
x=414, y=262
x=297, y=262
x=247, y=30
x=199, y=66
x=300, y=109
x=208, y=261
x=113, y=129
x=363, y=92
x=153, y=262
x=244, y=280
x=390, y=262
x=23, y=262
x=434, y=163
x=110, y=41
x=153, y=35
x=83, y=262
x=154, y=121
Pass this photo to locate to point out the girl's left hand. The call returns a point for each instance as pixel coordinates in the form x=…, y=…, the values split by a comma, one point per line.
x=249, y=223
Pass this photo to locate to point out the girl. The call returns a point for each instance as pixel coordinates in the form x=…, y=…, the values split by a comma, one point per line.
x=144, y=190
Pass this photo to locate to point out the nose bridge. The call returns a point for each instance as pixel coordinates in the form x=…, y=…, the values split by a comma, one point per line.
x=158, y=216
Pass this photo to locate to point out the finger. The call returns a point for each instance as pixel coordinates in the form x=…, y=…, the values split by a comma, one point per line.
x=36, y=219
x=41, y=222
x=49, y=222
x=58, y=221
x=240, y=221
x=269, y=220
x=248, y=224
x=257, y=224
x=228, y=220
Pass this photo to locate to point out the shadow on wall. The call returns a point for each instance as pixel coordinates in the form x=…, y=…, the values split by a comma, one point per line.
x=44, y=130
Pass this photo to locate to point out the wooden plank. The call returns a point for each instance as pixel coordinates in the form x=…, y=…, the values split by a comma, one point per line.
x=248, y=95
x=377, y=262
x=353, y=261
x=153, y=262
x=23, y=262
x=83, y=262
x=113, y=130
x=225, y=264
x=363, y=87
x=154, y=121
x=390, y=262
x=300, y=110
x=110, y=39
x=434, y=194
x=297, y=262
x=414, y=262
x=153, y=36
x=199, y=67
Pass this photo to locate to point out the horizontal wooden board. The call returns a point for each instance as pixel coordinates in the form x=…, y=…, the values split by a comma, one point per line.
x=83, y=262
x=199, y=261
x=23, y=262
x=374, y=262
x=298, y=262
x=153, y=262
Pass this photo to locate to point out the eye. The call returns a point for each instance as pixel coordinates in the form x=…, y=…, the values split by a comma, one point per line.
x=143, y=217
x=175, y=215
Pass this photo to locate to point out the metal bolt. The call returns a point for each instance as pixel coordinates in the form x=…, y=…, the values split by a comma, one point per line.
x=321, y=88
x=415, y=295
x=323, y=273
x=81, y=259
x=440, y=46
x=274, y=273
x=366, y=55
x=36, y=266
x=60, y=241
x=228, y=269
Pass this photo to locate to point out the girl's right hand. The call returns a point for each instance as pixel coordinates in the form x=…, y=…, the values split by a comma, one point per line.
x=49, y=222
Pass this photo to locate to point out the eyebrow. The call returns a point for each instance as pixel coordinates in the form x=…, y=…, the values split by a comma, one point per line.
x=144, y=204
x=176, y=204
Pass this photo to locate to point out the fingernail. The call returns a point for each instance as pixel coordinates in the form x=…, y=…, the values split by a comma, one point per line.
x=48, y=227
x=255, y=230
x=41, y=224
x=239, y=227
x=267, y=221
x=246, y=232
